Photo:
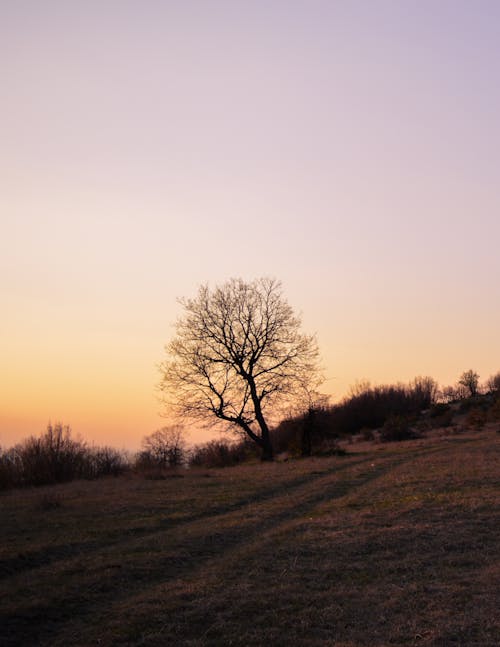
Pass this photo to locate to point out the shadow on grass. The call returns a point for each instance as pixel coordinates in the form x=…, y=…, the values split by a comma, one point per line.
x=98, y=575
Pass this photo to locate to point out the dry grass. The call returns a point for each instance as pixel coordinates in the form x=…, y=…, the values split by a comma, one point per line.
x=397, y=545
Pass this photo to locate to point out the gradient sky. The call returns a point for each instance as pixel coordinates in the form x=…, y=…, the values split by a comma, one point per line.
x=349, y=149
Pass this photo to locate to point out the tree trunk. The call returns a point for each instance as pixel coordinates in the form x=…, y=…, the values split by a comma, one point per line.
x=263, y=441
x=265, y=436
x=267, y=450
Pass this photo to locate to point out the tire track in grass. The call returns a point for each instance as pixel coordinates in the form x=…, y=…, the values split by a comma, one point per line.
x=192, y=545
x=80, y=598
x=30, y=560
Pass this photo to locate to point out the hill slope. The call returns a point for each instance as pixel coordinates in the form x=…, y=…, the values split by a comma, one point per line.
x=392, y=545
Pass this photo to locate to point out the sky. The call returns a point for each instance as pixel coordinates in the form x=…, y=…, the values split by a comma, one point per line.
x=349, y=149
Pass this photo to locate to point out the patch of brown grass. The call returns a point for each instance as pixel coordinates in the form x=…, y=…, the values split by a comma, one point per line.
x=392, y=547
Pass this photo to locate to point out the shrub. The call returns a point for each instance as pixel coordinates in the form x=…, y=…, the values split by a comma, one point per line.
x=164, y=448
x=9, y=469
x=477, y=402
x=494, y=412
x=446, y=420
x=397, y=428
x=493, y=384
x=476, y=418
x=364, y=408
x=106, y=461
x=370, y=407
x=440, y=415
x=54, y=457
x=220, y=453
x=330, y=448
x=301, y=435
x=439, y=409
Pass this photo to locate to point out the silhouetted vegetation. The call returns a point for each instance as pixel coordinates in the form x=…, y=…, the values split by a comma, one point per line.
x=397, y=428
x=390, y=413
x=477, y=417
x=441, y=415
x=164, y=449
x=365, y=409
x=470, y=381
x=238, y=354
x=370, y=407
x=221, y=453
x=366, y=553
x=56, y=457
x=493, y=384
x=302, y=435
x=385, y=413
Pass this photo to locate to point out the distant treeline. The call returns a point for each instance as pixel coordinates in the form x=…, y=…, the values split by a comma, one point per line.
x=56, y=456
x=396, y=412
x=365, y=407
x=389, y=408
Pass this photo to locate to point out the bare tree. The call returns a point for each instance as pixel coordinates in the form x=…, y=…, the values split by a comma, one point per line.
x=470, y=380
x=449, y=394
x=425, y=391
x=493, y=383
x=166, y=447
x=238, y=355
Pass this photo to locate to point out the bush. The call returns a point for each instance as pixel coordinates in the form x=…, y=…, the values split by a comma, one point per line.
x=106, y=461
x=164, y=448
x=477, y=402
x=370, y=407
x=397, y=428
x=220, y=453
x=9, y=469
x=365, y=409
x=440, y=415
x=494, y=412
x=303, y=434
x=330, y=448
x=54, y=457
x=446, y=420
x=493, y=384
x=476, y=418
x=439, y=409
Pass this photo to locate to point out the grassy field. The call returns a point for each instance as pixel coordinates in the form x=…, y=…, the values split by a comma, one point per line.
x=390, y=545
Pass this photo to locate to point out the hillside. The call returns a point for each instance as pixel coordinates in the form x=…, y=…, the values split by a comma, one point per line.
x=394, y=544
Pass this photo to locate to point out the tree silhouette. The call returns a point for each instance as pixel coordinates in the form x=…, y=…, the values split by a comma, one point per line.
x=470, y=380
x=165, y=447
x=237, y=356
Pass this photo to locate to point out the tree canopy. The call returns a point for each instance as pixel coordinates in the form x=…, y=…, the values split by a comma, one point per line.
x=238, y=356
x=470, y=380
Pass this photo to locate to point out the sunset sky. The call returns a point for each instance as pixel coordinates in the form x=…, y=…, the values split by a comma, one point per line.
x=350, y=149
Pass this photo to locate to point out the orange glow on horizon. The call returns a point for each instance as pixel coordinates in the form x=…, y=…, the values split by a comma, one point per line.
x=352, y=152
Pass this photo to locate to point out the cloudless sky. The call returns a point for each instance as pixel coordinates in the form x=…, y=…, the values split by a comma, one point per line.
x=349, y=149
